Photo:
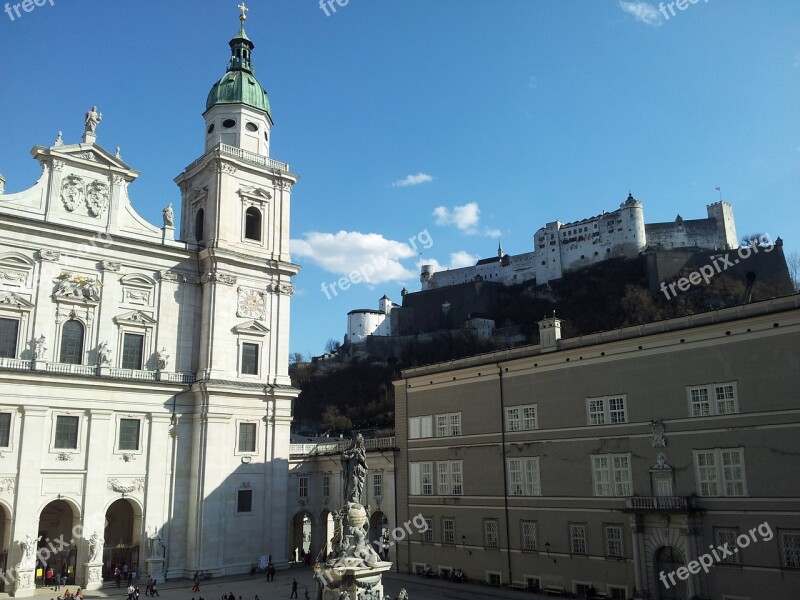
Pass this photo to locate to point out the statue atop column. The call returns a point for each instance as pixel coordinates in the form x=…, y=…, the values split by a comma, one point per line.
x=354, y=469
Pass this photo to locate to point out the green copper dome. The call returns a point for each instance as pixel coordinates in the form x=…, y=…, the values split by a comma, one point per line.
x=239, y=84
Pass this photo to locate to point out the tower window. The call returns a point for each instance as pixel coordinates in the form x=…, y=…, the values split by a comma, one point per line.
x=72, y=343
x=251, y=127
x=228, y=123
x=210, y=128
x=199, y=225
x=252, y=224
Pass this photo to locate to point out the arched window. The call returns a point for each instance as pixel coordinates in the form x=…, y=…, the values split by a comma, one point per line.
x=199, y=225
x=72, y=343
x=252, y=224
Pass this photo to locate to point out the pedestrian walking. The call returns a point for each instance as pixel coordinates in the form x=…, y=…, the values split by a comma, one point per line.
x=117, y=575
x=196, y=587
x=149, y=586
x=154, y=589
x=131, y=589
x=294, y=589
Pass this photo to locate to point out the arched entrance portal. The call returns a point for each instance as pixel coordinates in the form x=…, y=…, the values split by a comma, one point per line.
x=379, y=533
x=56, y=548
x=668, y=560
x=328, y=526
x=122, y=538
x=302, y=525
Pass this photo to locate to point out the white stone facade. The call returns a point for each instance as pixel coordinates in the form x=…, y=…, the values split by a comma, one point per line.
x=563, y=247
x=143, y=378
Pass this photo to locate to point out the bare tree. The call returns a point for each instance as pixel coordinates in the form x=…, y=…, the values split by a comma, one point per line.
x=332, y=346
x=793, y=262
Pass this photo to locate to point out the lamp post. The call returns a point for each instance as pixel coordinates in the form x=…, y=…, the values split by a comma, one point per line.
x=547, y=548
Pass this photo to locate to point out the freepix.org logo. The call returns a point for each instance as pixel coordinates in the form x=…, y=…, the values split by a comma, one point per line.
x=14, y=11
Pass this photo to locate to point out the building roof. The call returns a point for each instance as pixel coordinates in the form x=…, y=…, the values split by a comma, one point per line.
x=239, y=85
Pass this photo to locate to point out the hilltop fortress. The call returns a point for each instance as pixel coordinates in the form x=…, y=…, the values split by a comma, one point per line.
x=563, y=247
x=559, y=248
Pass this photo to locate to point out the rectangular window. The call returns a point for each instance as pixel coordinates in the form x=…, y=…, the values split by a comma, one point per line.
x=427, y=535
x=249, y=359
x=5, y=430
x=132, y=351
x=490, y=539
x=609, y=410
x=244, y=501
x=790, y=548
x=426, y=426
x=66, y=433
x=448, y=530
x=326, y=486
x=617, y=593
x=413, y=428
x=720, y=472
x=129, y=434
x=727, y=535
x=577, y=538
x=614, y=546
x=247, y=437
x=612, y=475
x=377, y=485
x=521, y=418
x=449, y=478
x=427, y=478
x=414, y=479
x=713, y=399
x=302, y=487
x=528, y=535
x=448, y=425
x=523, y=476
x=9, y=332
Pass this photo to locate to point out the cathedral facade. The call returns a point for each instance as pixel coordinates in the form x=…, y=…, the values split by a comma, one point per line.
x=145, y=401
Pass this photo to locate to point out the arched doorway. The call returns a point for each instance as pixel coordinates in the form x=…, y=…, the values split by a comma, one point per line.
x=379, y=533
x=668, y=560
x=122, y=538
x=328, y=527
x=57, y=548
x=302, y=526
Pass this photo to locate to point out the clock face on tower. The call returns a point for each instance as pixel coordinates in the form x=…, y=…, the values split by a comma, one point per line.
x=251, y=304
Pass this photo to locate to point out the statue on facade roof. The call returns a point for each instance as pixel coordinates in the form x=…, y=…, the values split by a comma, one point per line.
x=39, y=348
x=93, y=118
x=169, y=216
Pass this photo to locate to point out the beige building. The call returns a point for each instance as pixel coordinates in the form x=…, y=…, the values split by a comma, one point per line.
x=616, y=462
x=316, y=492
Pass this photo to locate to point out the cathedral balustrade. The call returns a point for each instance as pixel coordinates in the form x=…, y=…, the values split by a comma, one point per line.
x=16, y=364
x=252, y=158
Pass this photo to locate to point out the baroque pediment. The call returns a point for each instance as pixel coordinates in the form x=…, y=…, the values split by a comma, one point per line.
x=14, y=300
x=135, y=317
x=251, y=328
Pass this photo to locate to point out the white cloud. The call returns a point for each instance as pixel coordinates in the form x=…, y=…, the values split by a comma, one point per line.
x=465, y=217
x=417, y=179
x=343, y=253
x=458, y=260
x=641, y=11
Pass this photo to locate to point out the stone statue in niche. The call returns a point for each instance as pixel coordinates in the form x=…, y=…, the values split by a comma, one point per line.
x=104, y=355
x=39, y=348
x=162, y=359
x=657, y=426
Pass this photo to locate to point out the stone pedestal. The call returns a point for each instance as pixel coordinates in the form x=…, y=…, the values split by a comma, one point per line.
x=360, y=583
x=93, y=576
x=104, y=371
x=25, y=586
x=39, y=365
x=155, y=569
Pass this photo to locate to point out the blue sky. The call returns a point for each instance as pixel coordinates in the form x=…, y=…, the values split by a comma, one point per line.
x=497, y=116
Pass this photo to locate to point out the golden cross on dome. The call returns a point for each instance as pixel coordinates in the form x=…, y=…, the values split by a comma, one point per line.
x=244, y=9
